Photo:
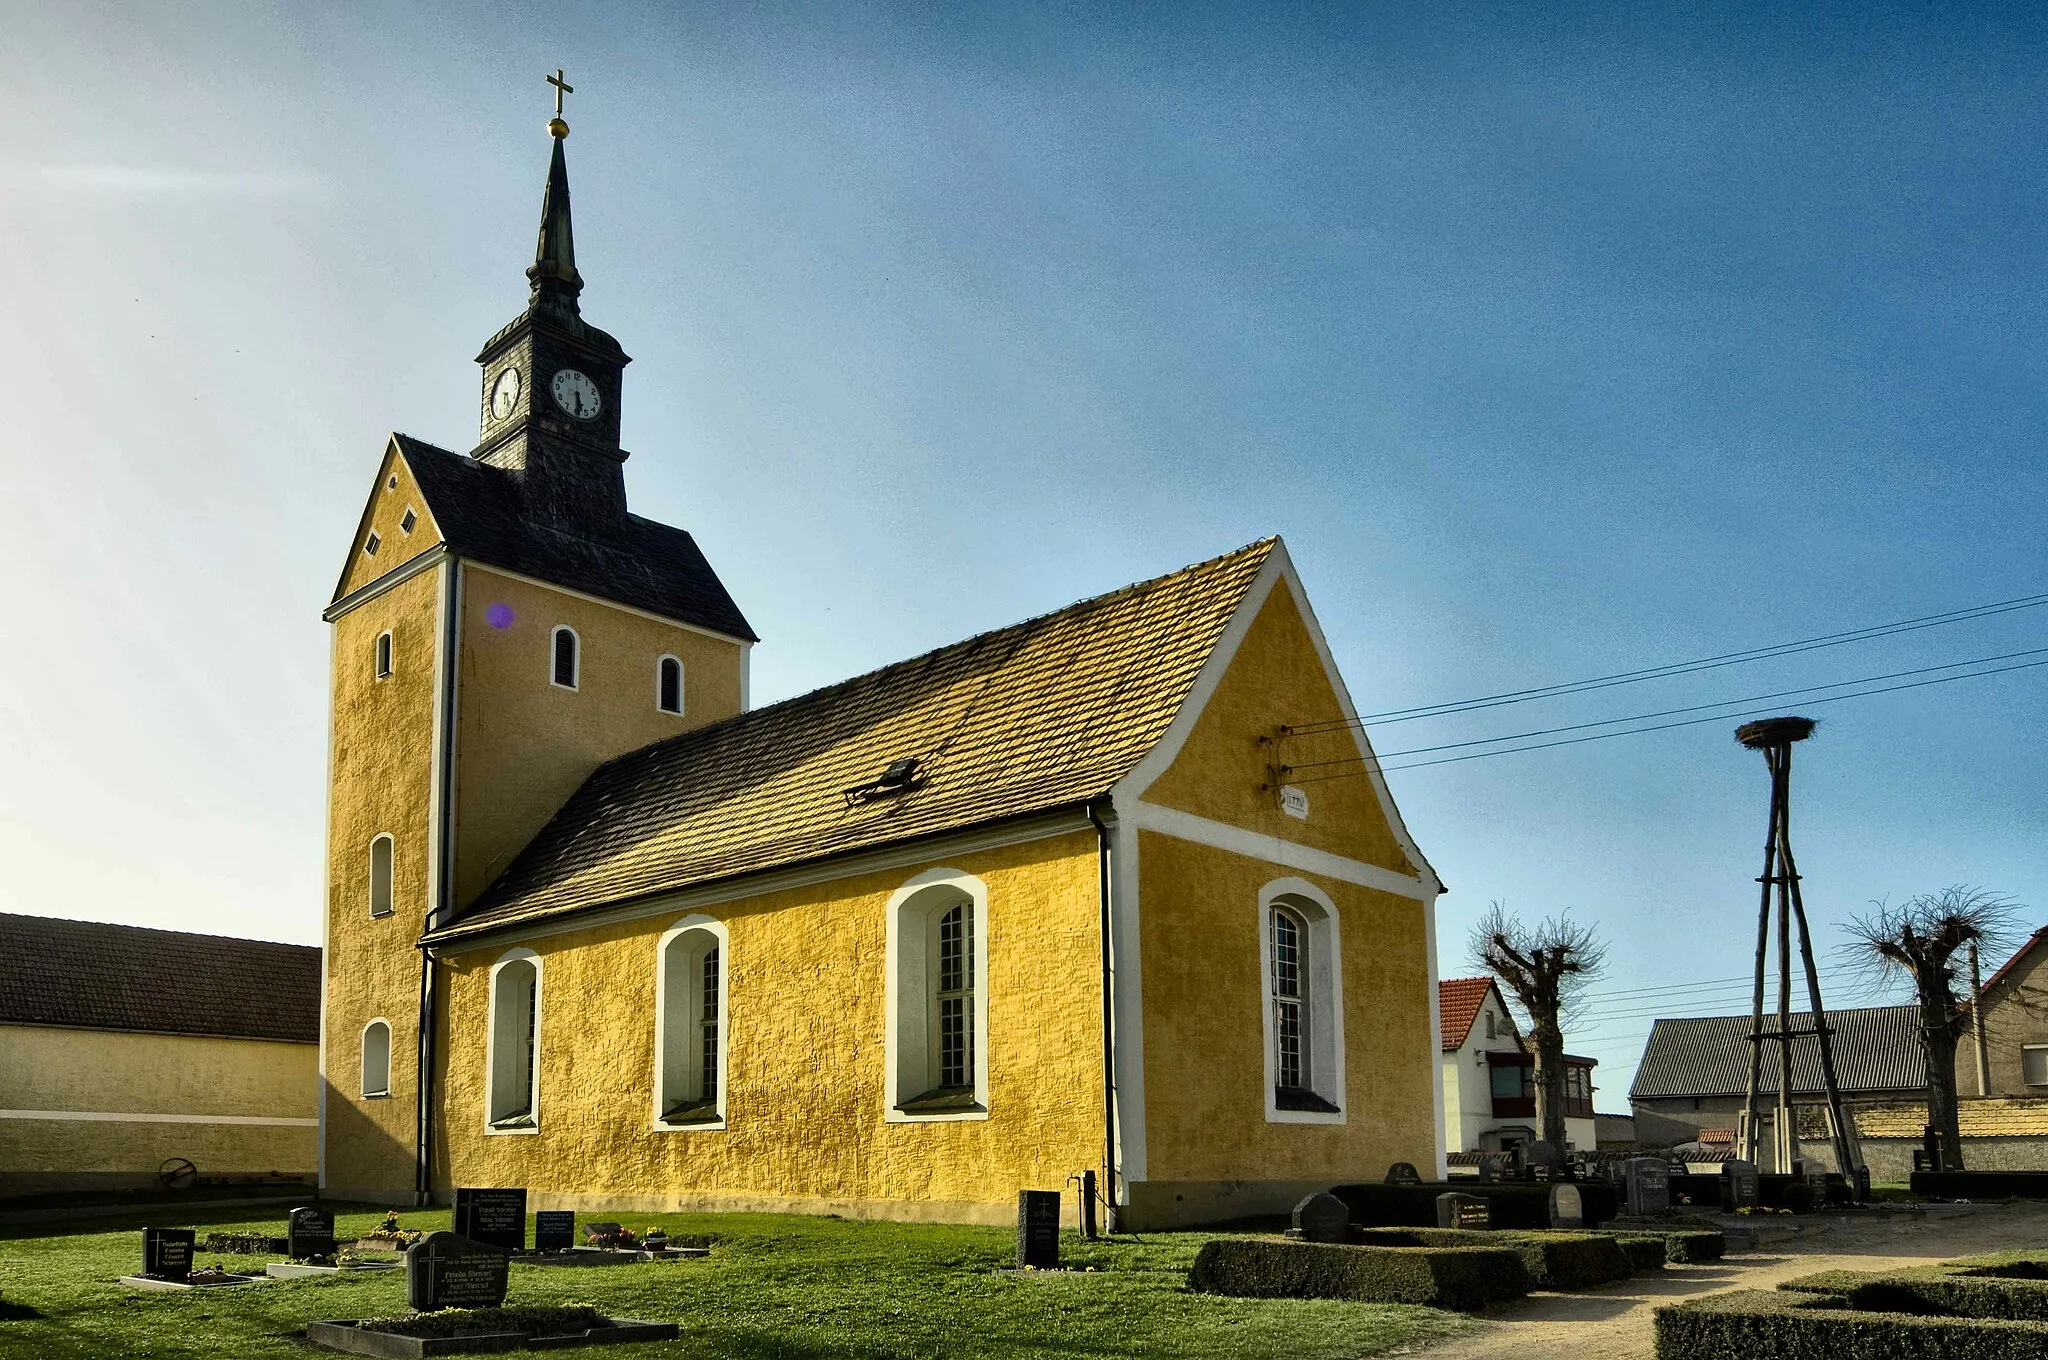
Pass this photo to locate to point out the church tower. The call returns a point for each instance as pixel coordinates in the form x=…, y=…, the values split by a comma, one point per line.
x=503, y=625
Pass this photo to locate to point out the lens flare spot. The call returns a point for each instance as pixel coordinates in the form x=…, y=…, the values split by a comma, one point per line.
x=499, y=616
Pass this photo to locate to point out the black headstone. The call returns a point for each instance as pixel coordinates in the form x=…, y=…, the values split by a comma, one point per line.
x=443, y=1270
x=167, y=1252
x=1541, y=1158
x=1487, y=1174
x=1403, y=1173
x=309, y=1231
x=1567, y=1205
x=1322, y=1217
x=1463, y=1211
x=1038, y=1229
x=1649, y=1184
x=496, y=1218
x=1739, y=1185
x=554, y=1230
x=1862, y=1183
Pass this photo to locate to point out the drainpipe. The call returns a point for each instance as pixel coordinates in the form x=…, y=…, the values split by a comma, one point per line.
x=1105, y=866
x=441, y=907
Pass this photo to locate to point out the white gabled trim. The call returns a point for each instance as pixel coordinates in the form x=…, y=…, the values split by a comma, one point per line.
x=746, y=676
x=398, y=575
x=716, y=930
x=1127, y=1015
x=326, y=931
x=150, y=1117
x=599, y=599
x=1325, y=1012
x=1436, y=1036
x=976, y=893
x=1257, y=845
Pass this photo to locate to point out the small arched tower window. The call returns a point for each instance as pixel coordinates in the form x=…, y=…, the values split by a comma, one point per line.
x=513, y=1097
x=1304, y=1004
x=668, y=685
x=566, y=661
x=383, y=655
x=382, y=848
x=377, y=1058
x=690, y=1047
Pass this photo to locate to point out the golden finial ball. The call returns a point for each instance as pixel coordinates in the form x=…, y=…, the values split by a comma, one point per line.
x=557, y=129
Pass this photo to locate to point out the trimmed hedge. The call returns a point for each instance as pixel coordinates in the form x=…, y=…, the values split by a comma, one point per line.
x=1512, y=1205
x=1554, y=1260
x=1980, y=1184
x=1644, y=1253
x=2014, y=1290
x=1690, y=1246
x=1761, y=1324
x=1465, y=1278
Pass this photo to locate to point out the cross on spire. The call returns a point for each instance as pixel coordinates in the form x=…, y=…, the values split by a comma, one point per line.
x=562, y=87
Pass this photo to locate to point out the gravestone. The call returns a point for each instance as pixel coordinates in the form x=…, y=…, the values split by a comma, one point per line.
x=1487, y=1175
x=1038, y=1229
x=1463, y=1211
x=554, y=1230
x=1862, y=1184
x=1403, y=1173
x=1567, y=1206
x=167, y=1252
x=1739, y=1185
x=496, y=1218
x=1321, y=1217
x=1649, y=1184
x=1541, y=1158
x=309, y=1231
x=446, y=1270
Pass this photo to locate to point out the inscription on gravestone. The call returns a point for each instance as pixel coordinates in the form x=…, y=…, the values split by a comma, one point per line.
x=1739, y=1185
x=309, y=1231
x=167, y=1252
x=1463, y=1211
x=1038, y=1229
x=1322, y=1218
x=1403, y=1173
x=554, y=1230
x=1567, y=1206
x=1649, y=1184
x=445, y=1270
x=1542, y=1159
x=496, y=1218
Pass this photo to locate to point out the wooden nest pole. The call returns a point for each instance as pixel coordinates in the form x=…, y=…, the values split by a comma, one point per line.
x=1775, y=737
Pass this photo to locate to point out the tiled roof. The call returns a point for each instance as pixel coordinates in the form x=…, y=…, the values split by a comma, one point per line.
x=650, y=566
x=1458, y=1001
x=1994, y=1118
x=1043, y=715
x=1876, y=1049
x=87, y=975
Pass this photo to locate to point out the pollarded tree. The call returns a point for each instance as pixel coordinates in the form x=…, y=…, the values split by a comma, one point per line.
x=1923, y=940
x=1545, y=967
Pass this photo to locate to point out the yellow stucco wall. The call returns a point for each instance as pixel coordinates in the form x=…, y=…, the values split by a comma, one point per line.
x=1277, y=678
x=382, y=757
x=71, y=1071
x=388, y=504
x=524, y=745
x=806, y=1001
x=2013, y=1020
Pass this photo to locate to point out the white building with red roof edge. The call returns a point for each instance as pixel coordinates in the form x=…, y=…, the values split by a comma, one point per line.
x=1489, y=1076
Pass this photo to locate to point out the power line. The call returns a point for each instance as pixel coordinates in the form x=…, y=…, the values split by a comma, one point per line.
x=1668, y=712
x=1683, y=667
x=1703, y=984
x=1660, y=727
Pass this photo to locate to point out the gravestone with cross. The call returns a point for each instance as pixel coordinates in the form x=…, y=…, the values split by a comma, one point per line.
x=446, y=1270
x=1463, y=1211
x=1648, y=1180
x=167, y=1252
x=309, y=1231
x=496, y=1218
x=1038, y=1229
x=554, y=1230
x=1321, y=1217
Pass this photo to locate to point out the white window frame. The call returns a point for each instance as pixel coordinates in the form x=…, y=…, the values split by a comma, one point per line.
x=384, y=656
x=682, y=683
x=575, y=657
x=1324, y=1001
x=390, y=875
x=2025, y=1049
x=690, y=1001
x=491, y=1044
x=363, y=1059
x=909, y=1056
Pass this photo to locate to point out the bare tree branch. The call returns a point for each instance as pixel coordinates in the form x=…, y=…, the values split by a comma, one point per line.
x=1545, y=968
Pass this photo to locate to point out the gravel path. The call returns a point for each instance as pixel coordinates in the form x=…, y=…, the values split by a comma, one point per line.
x=1614, y=1323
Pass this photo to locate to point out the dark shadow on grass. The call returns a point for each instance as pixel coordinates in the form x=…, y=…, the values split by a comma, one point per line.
x=171, y=1215
x=18, y=1312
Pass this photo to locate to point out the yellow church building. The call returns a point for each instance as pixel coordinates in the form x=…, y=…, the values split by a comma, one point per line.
x=1037, y=903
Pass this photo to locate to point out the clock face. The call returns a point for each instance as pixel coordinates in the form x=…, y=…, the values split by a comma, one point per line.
x=576, y=394
x=505, y=393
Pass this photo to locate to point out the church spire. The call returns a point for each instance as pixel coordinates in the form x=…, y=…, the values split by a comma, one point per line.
x=553, y=273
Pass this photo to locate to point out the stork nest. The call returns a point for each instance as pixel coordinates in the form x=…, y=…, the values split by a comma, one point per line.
x=1765, y=733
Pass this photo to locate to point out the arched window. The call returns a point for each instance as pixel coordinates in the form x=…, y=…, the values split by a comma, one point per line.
x=1302, y=978
x=513, y=1094
x=377, y=1058
x=690, y=1035
x=383, y=655
x=382, y=848
x=938, y=998
x=566, y=662
x=668, y=685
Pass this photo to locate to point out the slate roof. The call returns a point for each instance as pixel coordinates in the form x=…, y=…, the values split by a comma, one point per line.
x=651, y=566
x=88, y=975
x=1877, y=1048
x=1458, y=1001
x=1043, y=715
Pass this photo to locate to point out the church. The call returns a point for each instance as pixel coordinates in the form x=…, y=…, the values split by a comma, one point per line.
x=1039, y=903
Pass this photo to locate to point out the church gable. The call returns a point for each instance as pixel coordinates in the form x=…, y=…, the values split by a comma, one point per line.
x=396, y=526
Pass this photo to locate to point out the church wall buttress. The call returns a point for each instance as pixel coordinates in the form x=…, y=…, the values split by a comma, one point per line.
x=523, y=744
x=381, y=784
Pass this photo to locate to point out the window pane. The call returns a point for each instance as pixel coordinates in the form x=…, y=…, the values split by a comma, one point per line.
x=1286, y=955
x=383, y=654
x=565, y=658
x=956, y=996
x=2034, y=1066
x=707, y=1025
x=380, y=876
x=377, y=1060
x=671, y=685
x=1287, y=1031
x=1507, y=1082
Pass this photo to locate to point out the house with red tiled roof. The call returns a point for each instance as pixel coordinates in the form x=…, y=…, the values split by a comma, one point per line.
x=1489, y=1075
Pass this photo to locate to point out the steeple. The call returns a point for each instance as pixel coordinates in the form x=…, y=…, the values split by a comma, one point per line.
x=553, y=273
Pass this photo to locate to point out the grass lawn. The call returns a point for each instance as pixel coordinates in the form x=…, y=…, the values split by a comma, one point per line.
x=773, y=1286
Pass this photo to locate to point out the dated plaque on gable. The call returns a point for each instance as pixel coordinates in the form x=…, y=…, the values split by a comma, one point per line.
x=496, y=1218
x=447, y=1270
x=1038, y=1229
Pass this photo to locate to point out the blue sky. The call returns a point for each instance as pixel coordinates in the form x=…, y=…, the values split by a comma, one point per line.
x=1555, y=341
